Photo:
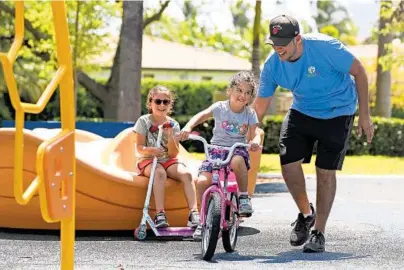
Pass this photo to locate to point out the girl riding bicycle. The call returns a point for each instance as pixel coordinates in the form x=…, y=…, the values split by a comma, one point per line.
x=235, y=121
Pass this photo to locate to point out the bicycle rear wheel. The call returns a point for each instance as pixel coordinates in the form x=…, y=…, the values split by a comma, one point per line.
x=210, y=232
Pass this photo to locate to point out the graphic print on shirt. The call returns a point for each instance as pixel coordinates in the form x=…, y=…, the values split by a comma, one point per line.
x=312, y=72
x=234, y=128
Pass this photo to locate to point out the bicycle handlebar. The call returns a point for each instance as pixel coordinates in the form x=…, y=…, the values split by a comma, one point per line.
x=206, y=146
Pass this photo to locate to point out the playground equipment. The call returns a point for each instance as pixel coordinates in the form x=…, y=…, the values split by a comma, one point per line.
x=55, y=163
x=109, y=195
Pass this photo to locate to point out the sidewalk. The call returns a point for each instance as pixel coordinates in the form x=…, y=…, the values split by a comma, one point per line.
x=278, y=175
x=274, y=182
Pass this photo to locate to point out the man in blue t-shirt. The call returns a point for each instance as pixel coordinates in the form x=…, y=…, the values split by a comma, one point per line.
x=326, y=81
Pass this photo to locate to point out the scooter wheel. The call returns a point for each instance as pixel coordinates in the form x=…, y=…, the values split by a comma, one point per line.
x=140, y=233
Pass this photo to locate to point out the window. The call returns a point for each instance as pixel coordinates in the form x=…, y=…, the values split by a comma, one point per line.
x=207, y=78
x=148, y=75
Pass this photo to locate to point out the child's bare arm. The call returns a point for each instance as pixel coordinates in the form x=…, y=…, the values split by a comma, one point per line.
x=199, y=118
x=142, y=149
x=254, y=134
x=254, y=137
x=172, y=144
x=195, y=121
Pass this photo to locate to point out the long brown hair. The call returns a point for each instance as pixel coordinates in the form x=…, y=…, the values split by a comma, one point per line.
x=164, y=90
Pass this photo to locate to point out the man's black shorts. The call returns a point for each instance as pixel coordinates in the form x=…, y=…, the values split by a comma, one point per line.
x=300, y=132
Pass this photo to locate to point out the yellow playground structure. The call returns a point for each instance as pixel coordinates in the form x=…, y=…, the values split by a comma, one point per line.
x=39, y=168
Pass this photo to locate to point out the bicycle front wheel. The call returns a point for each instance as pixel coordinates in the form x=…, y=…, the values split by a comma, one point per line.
x=210, y=232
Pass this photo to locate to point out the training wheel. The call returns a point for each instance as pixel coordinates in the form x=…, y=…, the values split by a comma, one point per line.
x=140, y=232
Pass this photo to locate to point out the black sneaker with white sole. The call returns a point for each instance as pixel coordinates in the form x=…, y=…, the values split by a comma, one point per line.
x=193, y=219
x=301, y=230
x=161, y=220
x=316, y=242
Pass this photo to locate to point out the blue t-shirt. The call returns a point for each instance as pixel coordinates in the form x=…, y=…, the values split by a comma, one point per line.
x=319, y=80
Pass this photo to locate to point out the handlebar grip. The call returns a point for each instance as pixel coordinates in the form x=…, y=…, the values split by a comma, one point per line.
x=168, y=124
x=193, y=136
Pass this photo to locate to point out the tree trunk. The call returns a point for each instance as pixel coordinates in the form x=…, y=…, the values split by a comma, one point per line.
x=130, y=58
x=255, y=59
x=383, y=79
x=121, y=95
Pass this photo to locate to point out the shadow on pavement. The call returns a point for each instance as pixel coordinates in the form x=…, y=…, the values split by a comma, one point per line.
x=247, y=231
x=274, y=187
x=289, y=256
x=54, y=235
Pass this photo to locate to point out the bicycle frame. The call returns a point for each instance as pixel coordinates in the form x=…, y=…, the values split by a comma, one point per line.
x=217, y=178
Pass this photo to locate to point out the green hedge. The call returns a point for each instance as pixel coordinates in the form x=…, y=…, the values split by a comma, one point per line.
x=192, y=97
x=388, y=139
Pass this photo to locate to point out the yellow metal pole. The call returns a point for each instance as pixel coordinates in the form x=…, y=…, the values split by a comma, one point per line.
x=67, y=120
x=64, y=77
x=19, y=31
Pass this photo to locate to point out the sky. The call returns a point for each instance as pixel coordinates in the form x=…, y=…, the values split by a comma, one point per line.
x=216, y=12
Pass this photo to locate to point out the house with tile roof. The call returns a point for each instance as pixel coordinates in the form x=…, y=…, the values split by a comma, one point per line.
x=166, y=60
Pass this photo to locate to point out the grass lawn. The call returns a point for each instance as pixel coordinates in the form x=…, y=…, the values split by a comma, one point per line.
x=352, y=164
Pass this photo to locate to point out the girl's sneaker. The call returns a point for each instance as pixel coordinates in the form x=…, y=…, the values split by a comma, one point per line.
x=245, y=206
x=198, y=233
x=161, y=220
x=193, y=219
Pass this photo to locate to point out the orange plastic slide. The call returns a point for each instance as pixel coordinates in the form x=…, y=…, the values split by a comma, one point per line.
x=109, y=195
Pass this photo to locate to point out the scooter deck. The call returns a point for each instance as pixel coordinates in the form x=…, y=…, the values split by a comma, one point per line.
x=176, y=231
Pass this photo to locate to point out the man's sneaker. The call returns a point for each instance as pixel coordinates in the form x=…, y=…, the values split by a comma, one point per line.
x=161, y=220
x=193, y=219
x=244, y=206
x=316, y=242
x=198, y=233
x=301, y=230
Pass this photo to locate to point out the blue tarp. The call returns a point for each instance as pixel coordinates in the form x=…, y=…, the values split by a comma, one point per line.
x=104, y=129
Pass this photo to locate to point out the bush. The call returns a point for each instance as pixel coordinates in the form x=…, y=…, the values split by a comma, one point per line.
x=192, y=97
x=388, y=139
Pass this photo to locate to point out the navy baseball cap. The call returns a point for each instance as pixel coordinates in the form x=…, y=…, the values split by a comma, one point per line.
x=282, y=29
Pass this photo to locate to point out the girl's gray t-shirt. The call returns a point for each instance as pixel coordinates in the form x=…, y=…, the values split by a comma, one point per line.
x=142, y=127
x=231, y=127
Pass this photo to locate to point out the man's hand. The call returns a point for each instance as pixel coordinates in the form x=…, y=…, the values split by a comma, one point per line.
x=254, y=146
x=365, y=124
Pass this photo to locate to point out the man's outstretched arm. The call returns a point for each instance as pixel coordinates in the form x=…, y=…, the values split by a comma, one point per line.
x=261, y=105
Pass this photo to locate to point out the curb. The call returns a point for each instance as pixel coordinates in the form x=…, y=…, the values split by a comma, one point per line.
x=274, y=182
x=362, y=176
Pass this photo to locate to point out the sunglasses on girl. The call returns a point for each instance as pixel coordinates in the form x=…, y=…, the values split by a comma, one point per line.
x=159, y=101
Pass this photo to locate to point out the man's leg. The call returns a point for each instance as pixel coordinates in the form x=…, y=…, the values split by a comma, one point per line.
x=296, y=147
x=331, y=150
x=296, y=183
x=326, y=188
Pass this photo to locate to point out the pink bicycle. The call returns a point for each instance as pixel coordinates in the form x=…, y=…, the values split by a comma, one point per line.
x=219, y=206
